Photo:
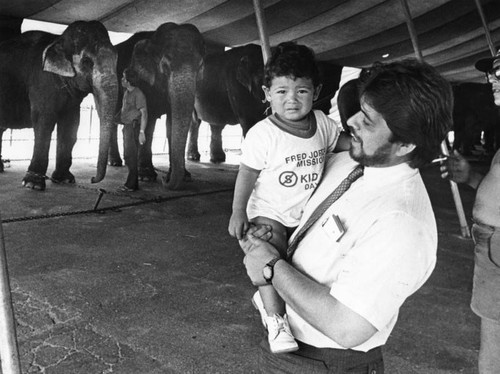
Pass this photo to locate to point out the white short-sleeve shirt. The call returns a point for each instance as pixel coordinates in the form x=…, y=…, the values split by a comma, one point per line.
x=387, y=252
x=290, y=167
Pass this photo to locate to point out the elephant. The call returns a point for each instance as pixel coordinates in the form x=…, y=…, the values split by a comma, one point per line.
x=474, y=111
x=348, y=102
x=44, y=79
x=168, y=61
x=229, y=91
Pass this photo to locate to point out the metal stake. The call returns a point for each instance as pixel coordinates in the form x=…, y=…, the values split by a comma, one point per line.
x=101, y=194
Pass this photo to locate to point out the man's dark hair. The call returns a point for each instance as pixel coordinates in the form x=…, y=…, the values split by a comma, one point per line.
x=290, y=59
x=131, y=76
x=415, y=101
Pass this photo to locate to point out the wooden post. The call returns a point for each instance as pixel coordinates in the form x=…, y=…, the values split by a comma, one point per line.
x=485, y=27
x=411, y=30
x=261, y=24
x=444, y=148
x=9, y=354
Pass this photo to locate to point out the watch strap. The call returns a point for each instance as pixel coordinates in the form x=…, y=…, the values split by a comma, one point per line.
x=270, y=265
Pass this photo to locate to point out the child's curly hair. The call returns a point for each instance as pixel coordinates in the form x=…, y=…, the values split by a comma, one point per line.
x=290, y=59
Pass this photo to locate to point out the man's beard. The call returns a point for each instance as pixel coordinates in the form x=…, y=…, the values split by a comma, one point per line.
x=381, y=156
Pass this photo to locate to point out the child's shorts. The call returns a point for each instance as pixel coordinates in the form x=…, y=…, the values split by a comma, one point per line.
x=486, y=286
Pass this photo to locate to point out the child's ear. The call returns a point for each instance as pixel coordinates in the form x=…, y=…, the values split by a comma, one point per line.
x=266, y=93
x=317, y=90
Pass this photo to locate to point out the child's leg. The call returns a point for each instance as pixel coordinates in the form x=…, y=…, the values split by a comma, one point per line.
x=279, y=334
x=273, y=303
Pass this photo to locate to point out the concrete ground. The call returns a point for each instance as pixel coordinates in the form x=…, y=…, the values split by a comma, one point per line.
x=154, y=284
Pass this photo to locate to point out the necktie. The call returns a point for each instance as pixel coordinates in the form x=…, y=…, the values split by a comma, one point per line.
x=321, y=208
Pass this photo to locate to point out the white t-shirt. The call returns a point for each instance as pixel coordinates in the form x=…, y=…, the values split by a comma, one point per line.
x=386, y=254
x=290, y=167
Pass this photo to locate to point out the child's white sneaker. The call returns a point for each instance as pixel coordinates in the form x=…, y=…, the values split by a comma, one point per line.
x=279, y=335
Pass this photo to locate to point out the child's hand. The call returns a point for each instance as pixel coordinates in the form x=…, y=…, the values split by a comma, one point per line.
x=238, y=224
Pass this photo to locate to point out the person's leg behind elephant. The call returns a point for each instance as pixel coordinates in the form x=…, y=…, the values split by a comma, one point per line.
x=130, y=155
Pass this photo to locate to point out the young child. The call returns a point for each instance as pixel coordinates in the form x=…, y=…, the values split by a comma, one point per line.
x=281, y=164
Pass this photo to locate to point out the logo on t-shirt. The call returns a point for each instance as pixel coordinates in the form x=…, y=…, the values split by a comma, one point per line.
x=288, y=179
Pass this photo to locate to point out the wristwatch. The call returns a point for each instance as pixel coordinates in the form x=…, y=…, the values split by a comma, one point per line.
x=268, y=270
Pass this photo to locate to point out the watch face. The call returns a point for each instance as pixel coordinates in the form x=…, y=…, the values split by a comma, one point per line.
x=267, y=272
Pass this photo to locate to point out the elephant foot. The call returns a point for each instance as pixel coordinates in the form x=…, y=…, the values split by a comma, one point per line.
x=176, y=184
x=114, y=158
x=117, y=162
x=217, y=158
x=1, y=166
x=193, y=156
x=147, y=174
x=62, y=178
x=34, y=181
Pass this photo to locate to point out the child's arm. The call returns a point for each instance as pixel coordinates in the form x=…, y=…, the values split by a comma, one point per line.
x=343, y=143
x=245, y=182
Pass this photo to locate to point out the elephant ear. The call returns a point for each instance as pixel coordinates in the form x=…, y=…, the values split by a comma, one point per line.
x=250, y=75
x=143, y=61
x=54, y=60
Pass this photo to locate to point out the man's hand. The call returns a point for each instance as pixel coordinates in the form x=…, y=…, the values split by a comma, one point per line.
x=456, y=168
x=258, y=253
x=262, y=232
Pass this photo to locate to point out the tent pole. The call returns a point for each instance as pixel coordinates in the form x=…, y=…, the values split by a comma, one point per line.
x=444, y=148
x=411, y=30
x=9, y=354
x=261, y=24
x=485, y=27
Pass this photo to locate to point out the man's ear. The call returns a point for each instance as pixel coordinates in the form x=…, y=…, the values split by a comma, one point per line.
x=266, y=93
x=405, y=149
x=317, y=90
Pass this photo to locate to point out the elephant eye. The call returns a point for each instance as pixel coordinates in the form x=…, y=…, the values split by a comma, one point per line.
x=87, y=64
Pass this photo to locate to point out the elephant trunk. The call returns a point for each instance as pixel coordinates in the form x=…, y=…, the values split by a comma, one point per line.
x=105, y=84
x=182, y=88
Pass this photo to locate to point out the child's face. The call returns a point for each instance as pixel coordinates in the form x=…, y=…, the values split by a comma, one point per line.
x=291, y=99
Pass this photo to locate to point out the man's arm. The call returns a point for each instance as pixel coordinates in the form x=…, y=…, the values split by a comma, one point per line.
x=311, y=300
x=144, y=122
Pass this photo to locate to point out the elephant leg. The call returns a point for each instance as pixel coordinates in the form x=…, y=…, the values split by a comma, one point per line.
x=35, y=176
x=1, y=160
x=193, y=153
x=114, y=153
x=146, y=169
x=67, y=129
x=217, y=154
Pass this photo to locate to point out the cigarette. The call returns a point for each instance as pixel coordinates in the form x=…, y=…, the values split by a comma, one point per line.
x=436, y=160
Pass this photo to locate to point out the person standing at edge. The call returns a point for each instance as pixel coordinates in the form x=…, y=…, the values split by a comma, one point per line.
x=134, y=111
x=353, y=262
x=486, y=234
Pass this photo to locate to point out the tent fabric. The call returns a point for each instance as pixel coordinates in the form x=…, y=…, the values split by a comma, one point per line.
x=351, y=33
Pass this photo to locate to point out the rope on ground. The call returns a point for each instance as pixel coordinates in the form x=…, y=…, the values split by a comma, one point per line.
x=115, y=208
